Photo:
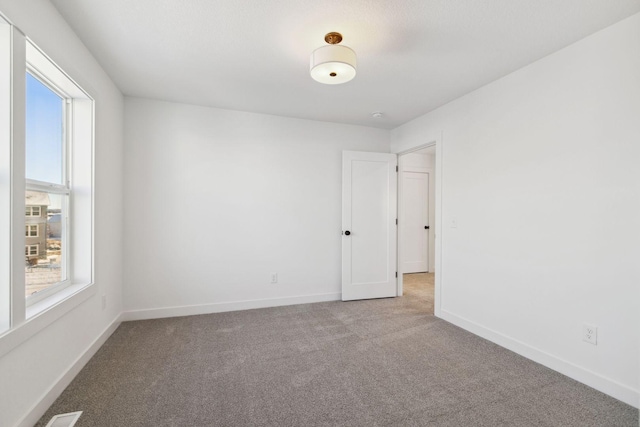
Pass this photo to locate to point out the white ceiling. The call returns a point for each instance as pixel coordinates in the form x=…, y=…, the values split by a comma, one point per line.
x=251, y=55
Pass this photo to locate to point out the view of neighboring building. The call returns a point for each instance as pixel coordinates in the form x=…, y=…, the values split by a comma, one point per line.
x=37, y=204
x=43, y=242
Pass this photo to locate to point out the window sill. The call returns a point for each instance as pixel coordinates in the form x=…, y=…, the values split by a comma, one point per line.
x=45, y=312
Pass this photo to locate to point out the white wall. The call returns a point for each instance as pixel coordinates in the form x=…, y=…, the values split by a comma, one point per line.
x=540, y=170
x=217, y=200
x=29, y=374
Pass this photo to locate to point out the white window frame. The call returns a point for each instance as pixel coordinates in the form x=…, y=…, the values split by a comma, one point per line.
x=29, y=247
x=29, y=228
x=77, y=182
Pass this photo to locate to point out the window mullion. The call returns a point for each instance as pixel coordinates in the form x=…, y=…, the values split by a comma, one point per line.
x=17, y=175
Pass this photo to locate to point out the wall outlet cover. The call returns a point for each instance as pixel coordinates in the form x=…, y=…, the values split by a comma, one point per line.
x=590, y=334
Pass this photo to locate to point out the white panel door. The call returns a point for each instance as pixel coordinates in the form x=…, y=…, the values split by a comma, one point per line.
x=369, y=186
x=415, y=222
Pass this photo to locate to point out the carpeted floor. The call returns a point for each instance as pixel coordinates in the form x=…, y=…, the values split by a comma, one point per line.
x=386, y=362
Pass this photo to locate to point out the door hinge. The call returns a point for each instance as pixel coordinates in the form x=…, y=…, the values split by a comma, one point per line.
x=396, y=274
x=396, y=168
x=396, y=221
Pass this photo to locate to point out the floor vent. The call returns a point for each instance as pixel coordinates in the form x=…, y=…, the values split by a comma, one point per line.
x=64, y=420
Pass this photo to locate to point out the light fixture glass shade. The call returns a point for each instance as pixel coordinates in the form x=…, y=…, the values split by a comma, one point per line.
x=333, y=64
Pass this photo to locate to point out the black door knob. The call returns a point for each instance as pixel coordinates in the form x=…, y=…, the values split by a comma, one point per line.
x=347, y=233
x=426, y=227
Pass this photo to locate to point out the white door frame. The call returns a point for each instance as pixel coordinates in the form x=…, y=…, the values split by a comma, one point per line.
x=437, y=229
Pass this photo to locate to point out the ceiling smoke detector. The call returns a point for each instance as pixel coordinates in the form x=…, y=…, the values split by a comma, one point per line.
x=377, y=115
x=333, y=64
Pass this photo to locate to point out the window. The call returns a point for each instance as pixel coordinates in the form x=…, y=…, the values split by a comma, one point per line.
x=46, y=189
x=31, y=231
x=32, y=211
x=47, y=185
x=58, y=184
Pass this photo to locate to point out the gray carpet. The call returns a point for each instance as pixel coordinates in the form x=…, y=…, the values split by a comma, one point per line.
x=386, y=362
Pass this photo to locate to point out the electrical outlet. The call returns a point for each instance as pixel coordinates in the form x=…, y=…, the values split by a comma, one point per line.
x=274, y=277
x=590, y=334
x=104, y=302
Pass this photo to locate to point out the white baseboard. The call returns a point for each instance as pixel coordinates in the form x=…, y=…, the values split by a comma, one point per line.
x=191, y=310
x=585, y=376
x=47, y=399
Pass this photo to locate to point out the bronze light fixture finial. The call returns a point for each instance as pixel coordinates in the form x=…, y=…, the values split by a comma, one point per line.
x=333, y=37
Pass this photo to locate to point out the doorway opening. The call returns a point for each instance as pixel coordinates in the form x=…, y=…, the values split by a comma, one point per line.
x=418, y=216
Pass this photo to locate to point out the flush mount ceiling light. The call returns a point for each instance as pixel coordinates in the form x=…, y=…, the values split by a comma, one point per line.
x=333, y=64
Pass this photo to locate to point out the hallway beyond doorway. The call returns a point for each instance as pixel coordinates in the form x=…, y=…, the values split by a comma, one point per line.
x=421, y=287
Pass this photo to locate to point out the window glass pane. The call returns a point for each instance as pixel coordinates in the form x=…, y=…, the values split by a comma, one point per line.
x=44, y=138
x=45, y=252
